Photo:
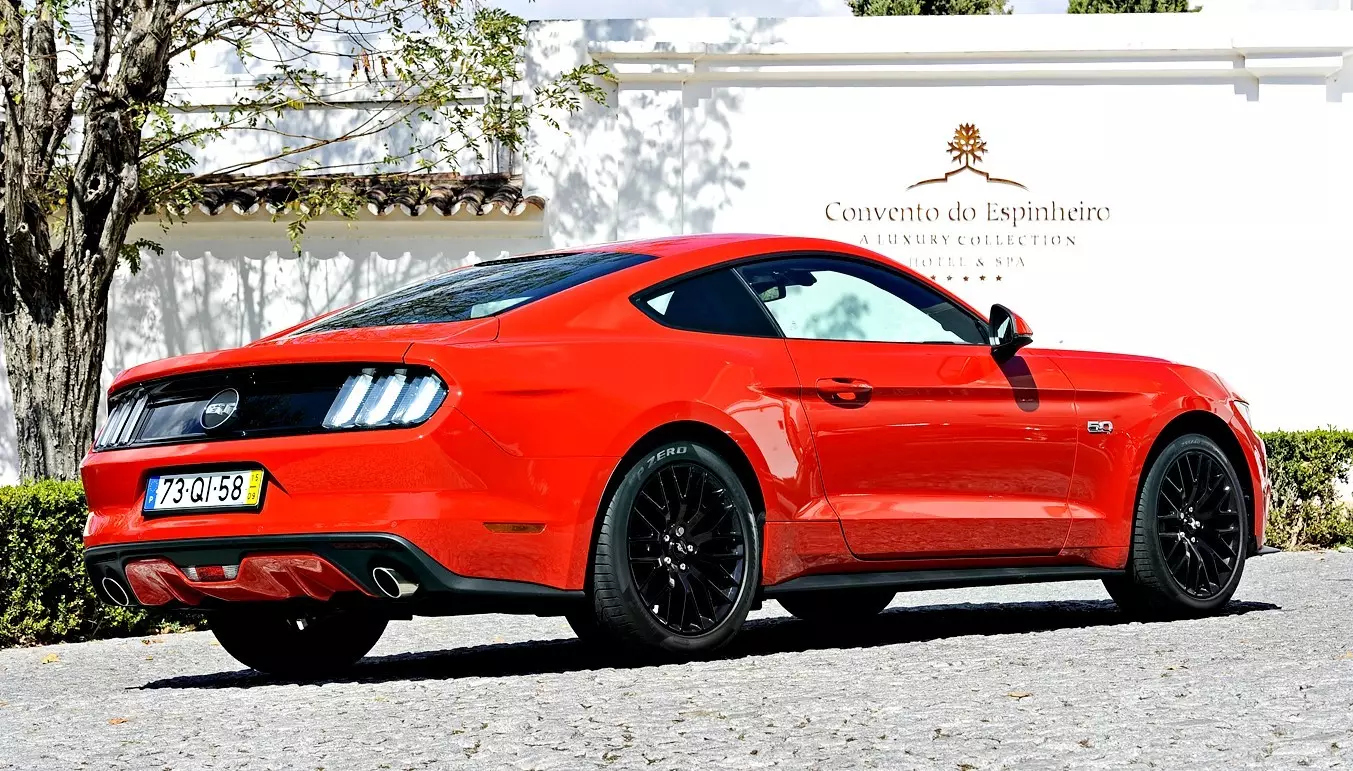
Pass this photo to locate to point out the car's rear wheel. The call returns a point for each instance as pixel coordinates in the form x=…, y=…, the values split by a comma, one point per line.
x=585, y=625
x=843, y=606
x=291, y=643
x=1190, y=535
x=677, y=560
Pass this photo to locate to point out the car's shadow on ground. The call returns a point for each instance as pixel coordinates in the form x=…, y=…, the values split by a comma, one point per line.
x=759, y=638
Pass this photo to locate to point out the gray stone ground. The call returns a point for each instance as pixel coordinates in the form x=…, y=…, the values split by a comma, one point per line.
x=1026, y=677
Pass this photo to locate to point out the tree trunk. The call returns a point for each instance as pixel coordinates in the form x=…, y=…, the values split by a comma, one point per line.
x=57, y=257
x=54, y=359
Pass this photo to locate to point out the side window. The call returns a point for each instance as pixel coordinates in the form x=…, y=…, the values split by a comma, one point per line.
x=714, y=302
x=824, y=298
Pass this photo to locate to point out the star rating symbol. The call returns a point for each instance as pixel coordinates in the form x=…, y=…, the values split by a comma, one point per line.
x=998, y=278
x=948, y=278
x=965, y=278
x=981, y=278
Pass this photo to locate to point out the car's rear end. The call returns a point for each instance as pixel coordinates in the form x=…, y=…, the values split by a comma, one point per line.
x=328, y=470
x=289, y=470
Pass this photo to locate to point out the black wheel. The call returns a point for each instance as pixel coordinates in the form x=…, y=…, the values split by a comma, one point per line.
x=842, y=606
x=677, y=555
x=1190, y=535
x=296, y=644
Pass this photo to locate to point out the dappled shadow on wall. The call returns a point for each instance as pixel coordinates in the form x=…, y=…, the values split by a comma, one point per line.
x=658, y=161
x=207, y=294
x=203, y=80
x=764, y=637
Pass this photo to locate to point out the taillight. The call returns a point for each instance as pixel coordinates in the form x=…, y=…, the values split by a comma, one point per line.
x=377, y=397
x=124, y=413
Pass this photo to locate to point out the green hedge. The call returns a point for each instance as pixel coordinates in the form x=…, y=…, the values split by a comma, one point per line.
x=45, y=596
x=1307, y=509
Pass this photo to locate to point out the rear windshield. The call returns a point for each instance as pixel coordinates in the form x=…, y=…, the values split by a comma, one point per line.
x=478, y=290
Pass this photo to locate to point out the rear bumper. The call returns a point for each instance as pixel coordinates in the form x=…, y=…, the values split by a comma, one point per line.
x=342, y=570
x=444, y=487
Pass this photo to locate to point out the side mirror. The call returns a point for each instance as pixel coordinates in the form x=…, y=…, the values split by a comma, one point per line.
x=1009, y=333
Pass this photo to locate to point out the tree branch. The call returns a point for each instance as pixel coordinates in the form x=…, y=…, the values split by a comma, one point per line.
x=38, y=113
x=103, y=40
x=243, y=165
x=11, y=52
x=213, y=30
x=188, y=10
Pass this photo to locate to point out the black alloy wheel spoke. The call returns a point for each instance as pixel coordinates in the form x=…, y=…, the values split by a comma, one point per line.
x=696, y=589
x=1219, y=546
x=657, y=515
x=687, y=550
x=1198, y=523
x=717, y=574
x=1172, y=514
x=697, y=509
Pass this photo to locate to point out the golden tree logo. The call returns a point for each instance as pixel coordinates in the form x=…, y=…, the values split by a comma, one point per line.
x=967, y=146
x=967, y=149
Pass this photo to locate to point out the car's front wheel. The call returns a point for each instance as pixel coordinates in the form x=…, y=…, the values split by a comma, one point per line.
x=297, y=644
x=677, y=560
x=1190, y=535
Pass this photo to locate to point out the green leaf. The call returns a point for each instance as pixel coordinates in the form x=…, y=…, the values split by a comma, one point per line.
x=47, y=595
x=1305, y=470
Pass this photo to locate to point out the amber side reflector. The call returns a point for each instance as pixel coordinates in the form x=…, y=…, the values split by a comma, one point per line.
x=514, y=527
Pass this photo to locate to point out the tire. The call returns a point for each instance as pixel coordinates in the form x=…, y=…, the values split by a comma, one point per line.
x=297, y=644
x=1190, y=535
x=588, y=629
x=841, y=607
x=644, y=588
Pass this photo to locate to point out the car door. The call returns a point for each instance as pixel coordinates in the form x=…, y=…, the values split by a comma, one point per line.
x=928, y=446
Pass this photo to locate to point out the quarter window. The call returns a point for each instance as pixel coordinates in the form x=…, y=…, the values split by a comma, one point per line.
x=824, y=298
x=715, y=302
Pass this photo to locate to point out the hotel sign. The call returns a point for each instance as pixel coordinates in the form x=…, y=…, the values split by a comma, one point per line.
x=962, y=238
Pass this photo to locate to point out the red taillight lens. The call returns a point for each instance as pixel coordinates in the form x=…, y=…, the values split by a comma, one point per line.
x=212, y=572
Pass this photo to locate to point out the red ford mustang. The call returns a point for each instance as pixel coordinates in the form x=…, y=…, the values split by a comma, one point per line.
x=651, y=438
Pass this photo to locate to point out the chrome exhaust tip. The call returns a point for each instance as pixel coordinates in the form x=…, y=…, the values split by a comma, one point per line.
x=113, y=590
x=392, y=584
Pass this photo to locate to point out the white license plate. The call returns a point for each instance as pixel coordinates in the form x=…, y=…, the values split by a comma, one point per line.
x=214, y=491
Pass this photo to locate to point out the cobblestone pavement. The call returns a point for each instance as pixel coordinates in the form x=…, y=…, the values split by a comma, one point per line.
x=1025, y=677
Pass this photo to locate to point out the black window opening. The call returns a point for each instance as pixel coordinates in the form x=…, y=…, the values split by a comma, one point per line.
x=827, y=298
x=479, y=291
x=716, y=302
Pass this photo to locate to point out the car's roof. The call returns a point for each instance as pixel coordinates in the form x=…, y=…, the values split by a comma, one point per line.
x=678, y=255
x=670, y=246
x=675, y=255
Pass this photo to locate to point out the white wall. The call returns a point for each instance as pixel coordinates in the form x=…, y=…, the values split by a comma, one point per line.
x=224, y=283
x=1218, y=143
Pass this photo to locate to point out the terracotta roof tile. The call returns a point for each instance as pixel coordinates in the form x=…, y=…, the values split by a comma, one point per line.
x=447, y=195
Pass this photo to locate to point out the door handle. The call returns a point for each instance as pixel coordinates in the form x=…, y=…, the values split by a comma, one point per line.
x=847, y=392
